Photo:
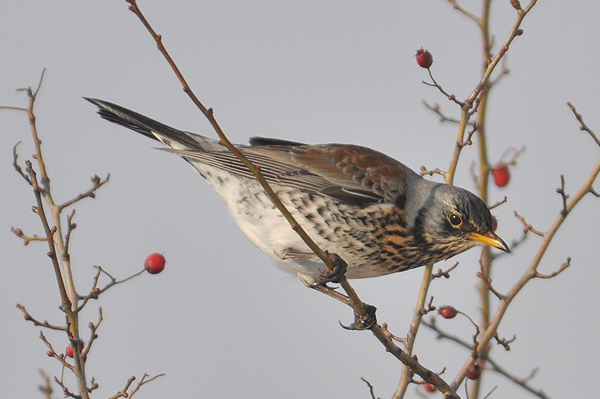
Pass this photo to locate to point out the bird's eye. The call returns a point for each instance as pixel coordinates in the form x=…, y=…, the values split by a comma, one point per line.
x=455, y=219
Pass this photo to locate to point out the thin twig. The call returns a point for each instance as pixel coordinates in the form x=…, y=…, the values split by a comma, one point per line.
x=435, y=171
x=523, y=382
x=497, y=204
x=52, y=353
x=16, y=160
x=93, y=333
x=445, y=273
x=488, y=282
x=37, y=323
x=465, y=12
x=556, y=273
x=582, y=123
x=563, y=195
x=443, y=118
x=46, y=388
x=91, y=193
x=26, y=239
x=371, y=389
x=451, y=97
x=95, y=291
x=528, y=227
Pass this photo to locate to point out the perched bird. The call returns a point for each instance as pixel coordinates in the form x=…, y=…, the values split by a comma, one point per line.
x=374, y=212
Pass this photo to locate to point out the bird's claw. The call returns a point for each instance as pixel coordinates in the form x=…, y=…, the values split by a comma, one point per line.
x=334, y=275
x=365, y=322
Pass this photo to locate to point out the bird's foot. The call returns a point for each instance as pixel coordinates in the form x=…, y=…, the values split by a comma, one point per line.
x=334, y=275
x=363, y=322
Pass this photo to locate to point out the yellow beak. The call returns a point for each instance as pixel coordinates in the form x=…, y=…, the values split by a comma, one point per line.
x=491, y=239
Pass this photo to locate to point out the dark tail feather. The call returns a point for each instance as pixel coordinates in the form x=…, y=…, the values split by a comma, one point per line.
x=139, y=123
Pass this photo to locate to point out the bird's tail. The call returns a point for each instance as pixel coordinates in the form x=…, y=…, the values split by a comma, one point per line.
x=149, y=127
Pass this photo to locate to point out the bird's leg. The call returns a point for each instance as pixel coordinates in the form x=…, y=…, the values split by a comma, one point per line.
x=336, y=275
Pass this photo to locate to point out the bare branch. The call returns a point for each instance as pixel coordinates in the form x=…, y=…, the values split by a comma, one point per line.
x=123, y=393
x=445, y=273
x=46, y=388
x=465, y=12
x=52, y=353
x=497, y=204
x=564, y=195
x=443, y=118
x=582, y=123
x=371, y=391
x=93, y=335
x=556, y=273
x=435, y=171
x=91, y=193
x=66, y=391
x=95, y=291
x=528, y=227
x=515, y=155
x=451, y=97
x=488, y=282
x=26, y=239
x=37, y=323
x=16, y=162
x=505, y=342
x=523, y=382
x=384, y=327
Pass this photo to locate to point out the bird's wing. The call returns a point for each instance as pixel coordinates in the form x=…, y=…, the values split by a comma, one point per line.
x=351, y=174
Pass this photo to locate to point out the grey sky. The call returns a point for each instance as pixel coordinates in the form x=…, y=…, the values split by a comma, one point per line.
x=222, y=321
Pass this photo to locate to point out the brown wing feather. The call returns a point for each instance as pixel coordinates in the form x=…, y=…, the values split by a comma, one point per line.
x=351, y=174
x=356, y=174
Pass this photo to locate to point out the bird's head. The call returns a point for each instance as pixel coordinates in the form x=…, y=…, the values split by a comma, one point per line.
x=452, y=220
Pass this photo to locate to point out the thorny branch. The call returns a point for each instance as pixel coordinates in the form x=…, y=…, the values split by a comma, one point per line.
x=91, y=193
x=523, y=382
x=444, y=118
x=49, y=212
x=16, y=160
x=26, y=239
x=528, y=227
x=52, y=353
x=46, y=388
x=371, y=389
x=37, y=323
x=582, y=123
x=531, y=271
x=474, y=97
x=95, y=291
x=444, y=273
x=124, y=394
x=556, y=273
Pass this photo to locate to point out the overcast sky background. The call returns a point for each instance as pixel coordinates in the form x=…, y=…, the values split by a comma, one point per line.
x=222, y=321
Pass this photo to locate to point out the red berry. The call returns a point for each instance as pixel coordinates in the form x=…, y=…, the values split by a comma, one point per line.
x=474, y=371
x=155, y=263
x=429, y=388
x=494, y=223
x=448, y=312
x=501, y=174
x=424, y=58
x=69, y=350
